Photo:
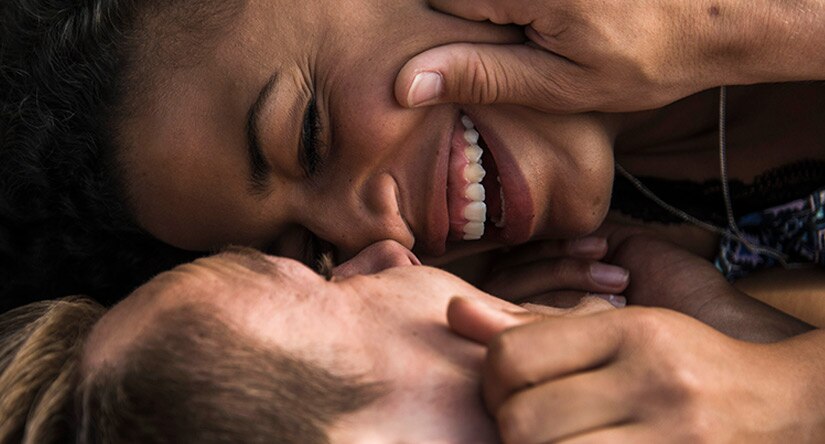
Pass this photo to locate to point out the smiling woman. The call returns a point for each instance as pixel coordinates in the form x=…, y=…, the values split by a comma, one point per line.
x=136, y=135
x=203, y=124
x=288, y=133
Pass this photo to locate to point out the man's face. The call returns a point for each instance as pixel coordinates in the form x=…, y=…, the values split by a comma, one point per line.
x=389, y=326
x=344, y=163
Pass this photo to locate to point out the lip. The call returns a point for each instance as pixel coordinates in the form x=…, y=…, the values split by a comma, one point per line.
x=434, y=240
x=520, y=211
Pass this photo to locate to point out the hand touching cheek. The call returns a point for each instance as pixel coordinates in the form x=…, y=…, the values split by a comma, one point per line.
x=635, y=375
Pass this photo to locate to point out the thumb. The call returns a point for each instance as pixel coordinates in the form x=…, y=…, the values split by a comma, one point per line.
x=484, y=74
x=480, y=322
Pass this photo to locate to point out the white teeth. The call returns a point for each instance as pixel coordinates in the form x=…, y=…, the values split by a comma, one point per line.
x=467, y=122
x=474, y=173
x=473, y=153
x=471, y=136
x=476, y=212
x=475, y=192
x=473, y=231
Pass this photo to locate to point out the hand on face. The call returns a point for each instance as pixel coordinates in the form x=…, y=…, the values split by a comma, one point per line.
x=612, y=56
x=629, y=375
x=556, y=273
x=669, y=277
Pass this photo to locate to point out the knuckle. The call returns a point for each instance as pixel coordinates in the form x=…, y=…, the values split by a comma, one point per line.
x=502, y=359
x=675, y=380
x=500, y=349
x=649, y=326
x=560, y=93
x=697, y=426
x=483, y=77
x=515, y=421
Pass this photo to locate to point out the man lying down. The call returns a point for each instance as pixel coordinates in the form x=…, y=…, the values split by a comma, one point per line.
x=243, y=347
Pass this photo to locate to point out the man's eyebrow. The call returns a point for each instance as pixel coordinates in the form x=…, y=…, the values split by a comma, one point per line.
x=259, y=164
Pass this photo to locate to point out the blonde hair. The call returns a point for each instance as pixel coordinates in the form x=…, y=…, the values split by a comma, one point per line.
x=40, y=346
x=193, y=378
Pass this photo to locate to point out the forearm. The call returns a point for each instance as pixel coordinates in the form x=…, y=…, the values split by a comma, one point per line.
x=798, y=292
x=771, y=41
x=797, y=368
x=742, y=317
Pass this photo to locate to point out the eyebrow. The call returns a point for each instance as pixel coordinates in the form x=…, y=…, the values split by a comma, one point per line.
x=259, y=166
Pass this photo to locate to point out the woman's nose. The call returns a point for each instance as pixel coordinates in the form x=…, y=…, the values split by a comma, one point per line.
x=359, y=213
x=376, y=258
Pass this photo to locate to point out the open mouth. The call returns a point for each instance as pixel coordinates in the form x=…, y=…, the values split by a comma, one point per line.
x=475, y=200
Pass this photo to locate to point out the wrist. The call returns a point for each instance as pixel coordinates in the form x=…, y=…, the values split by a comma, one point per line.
x=796, y=369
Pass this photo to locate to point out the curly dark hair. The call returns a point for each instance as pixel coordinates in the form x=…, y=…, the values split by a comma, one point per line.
x=64, y=227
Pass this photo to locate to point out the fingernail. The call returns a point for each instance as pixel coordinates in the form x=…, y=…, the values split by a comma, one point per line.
x=588, y=246
x=426, y=87
x=608, y=275
x=616, y=301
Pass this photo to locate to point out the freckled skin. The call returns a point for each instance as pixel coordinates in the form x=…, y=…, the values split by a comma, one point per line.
x=185, y=151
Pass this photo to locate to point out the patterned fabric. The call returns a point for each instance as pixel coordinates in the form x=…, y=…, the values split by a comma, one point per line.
x=796, y=229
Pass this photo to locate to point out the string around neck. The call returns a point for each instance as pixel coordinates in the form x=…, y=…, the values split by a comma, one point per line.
x=732, y=231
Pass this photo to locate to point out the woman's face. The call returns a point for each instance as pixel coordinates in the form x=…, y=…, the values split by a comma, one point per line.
x=286, y=127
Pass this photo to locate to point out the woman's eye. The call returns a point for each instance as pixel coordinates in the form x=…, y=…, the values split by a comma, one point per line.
x=311, y=140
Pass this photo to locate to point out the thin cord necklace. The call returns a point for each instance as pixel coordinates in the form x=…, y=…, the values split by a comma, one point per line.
x=732, y=231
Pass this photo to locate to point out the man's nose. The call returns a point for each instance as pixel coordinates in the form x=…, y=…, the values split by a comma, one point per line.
x=376, y=258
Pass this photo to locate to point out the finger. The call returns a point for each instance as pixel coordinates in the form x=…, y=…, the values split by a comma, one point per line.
x=518, y=283
x=480, y=322
x=574, y=304
x=545, y=350
x=559, y=302
x=668, y=276
x=563, y=408
x=620, y=434
x=485, y=74
x=594, y=248
x=520, y=12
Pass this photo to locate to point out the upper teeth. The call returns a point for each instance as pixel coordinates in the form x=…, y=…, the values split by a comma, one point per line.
x=476, y=211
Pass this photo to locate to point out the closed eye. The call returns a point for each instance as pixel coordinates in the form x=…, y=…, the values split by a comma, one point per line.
x=310, y=156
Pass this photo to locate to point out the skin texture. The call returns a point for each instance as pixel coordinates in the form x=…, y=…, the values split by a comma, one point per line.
x=186, y=164
x=648, y=374
x=618, y=56
x=382, y=167
x=698, y=384
x=432, y=374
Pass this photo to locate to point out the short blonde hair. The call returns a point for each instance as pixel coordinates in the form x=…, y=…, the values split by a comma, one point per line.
x=40, y=347
x=194, y=378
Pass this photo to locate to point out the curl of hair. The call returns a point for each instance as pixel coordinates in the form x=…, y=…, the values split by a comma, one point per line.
x=40, y=346
x=63, y=226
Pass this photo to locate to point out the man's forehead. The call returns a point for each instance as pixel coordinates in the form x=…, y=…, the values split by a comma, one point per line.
x=238, y=284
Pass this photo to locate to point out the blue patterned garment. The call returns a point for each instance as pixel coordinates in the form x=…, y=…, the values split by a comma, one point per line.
x=796, y=229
